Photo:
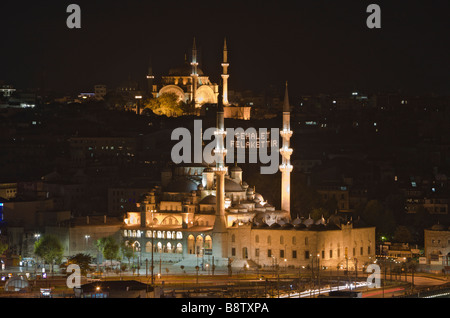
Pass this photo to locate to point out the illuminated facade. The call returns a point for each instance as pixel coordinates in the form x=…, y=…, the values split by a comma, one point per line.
x=189, y=83
x=209, y=215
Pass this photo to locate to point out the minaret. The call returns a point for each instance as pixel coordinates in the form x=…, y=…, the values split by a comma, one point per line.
x=150, y=78
x=194, y=74
x=220, y=234
x=285, y=151
x=225, y=73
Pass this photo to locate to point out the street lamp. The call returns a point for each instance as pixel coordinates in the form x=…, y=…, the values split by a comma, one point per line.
x=138, y=103
x=87, y=239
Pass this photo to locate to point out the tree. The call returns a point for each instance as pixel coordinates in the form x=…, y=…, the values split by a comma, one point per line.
x=50, y=249
x=3, y=247
x=168, y=104
x=108, y=247
x=128, y=252
x=82, y=260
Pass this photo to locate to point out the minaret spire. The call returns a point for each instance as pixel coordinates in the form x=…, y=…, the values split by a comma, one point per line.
x=225, y=73
x=194, y=74
x=285, y=151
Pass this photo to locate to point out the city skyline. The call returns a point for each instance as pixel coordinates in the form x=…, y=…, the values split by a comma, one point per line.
x=318, y=47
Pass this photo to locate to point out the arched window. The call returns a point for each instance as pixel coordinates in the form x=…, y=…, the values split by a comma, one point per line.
x=208, y=242
x=148, y=247
x=294, y=240
x=148, y=234
x=169, y=247
x=179, y=249
x=199, y=245
x=159, y=246
x=191, y=244
x=169, y=235
x=179, y=235
x=125, y=233
x=159, y=234
x=257, y=239
x=269, y=239
x=281, y=239
x=233, y=238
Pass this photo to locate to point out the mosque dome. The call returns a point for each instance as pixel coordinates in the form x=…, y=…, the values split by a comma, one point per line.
x=308, y=221
x=259, y=197
x=287, y=226
x=235, y=169
x=209, y=199
x=232, y=186
x=297, y=221
x=438, y=227
x=184, y=70
x=181, y=185
x=300, y=226
x=275, y=226
x=263, y=225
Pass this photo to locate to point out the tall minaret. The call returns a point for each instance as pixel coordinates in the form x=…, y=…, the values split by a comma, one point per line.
x=220, y=234
x=194, y=74
x=286, y=167
x=225, y=73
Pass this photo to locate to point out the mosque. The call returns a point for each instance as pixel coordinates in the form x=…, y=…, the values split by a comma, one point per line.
x=192, y=85
x=209, y=215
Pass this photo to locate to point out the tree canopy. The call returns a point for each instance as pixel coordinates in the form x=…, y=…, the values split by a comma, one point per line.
x=168, y=104
x=49, y=248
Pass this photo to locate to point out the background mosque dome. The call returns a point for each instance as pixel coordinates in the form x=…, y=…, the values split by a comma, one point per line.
x=438, y=227
x=184, y=70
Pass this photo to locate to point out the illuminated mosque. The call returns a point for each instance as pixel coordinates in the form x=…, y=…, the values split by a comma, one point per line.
x=209, y=215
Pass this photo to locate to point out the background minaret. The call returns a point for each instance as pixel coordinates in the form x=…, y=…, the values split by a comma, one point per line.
x=150, y=78
x=220, y=234
x=225, y=73
x=194, y=74
x=286, y=152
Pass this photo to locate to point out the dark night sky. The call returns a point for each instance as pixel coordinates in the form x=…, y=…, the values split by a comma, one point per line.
x=318, y=46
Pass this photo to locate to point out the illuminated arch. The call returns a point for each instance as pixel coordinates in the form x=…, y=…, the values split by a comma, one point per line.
x=175, y=90
x=205, y=95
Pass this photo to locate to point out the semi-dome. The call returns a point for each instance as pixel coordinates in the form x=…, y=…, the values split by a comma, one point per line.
x=209, y=199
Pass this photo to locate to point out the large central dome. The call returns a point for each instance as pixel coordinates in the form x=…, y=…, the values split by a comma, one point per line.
x=184, y=70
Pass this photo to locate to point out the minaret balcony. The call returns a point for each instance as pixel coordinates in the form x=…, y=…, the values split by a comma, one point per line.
x=285, y=133
x=224, y=76
x=220, y=151
x=194, y=63
x=220, y=132
x=220, y=169
x=225, y=64
x=286, y=167
x=286, y=152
